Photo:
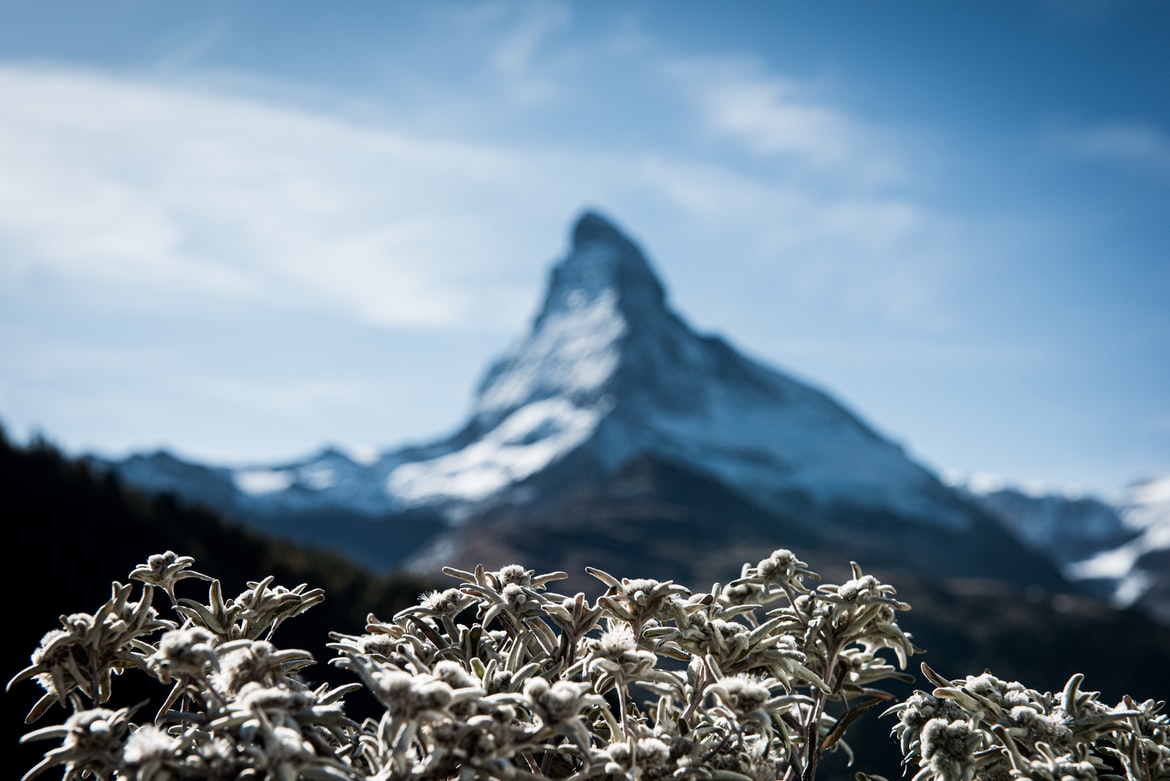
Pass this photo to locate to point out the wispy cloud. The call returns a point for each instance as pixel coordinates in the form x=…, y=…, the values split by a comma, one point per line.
x=879, y=256
x=134, y=188
x=1140, y=146
x=515, y=45
x=195, y=49
x=515, y=53
x=771, y=115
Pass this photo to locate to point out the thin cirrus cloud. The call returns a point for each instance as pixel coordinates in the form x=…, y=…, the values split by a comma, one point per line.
x=883, y=257
x=514, y=54
x=774, y=116
x=1136, y=145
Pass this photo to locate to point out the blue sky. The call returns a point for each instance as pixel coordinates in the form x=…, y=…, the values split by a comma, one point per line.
x=243, y=230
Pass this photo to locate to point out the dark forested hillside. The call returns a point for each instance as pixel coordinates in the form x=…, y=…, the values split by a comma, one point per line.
x=69, y=533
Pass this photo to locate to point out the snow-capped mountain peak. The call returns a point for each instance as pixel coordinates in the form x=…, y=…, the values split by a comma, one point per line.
x=602, y=262
x=610, y=396
x=608, y=371
x=548, y=394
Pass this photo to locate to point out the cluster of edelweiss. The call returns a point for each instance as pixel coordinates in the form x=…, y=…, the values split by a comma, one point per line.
x=499, y=678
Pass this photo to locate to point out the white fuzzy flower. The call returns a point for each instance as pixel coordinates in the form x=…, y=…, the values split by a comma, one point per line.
x=148, y=744
x=183, y=652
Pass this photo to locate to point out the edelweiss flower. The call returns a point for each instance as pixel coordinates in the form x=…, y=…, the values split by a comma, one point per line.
x=559, y=702
x=949, y=748
x=650, y=754
x=257, y=661
x=514, y=575
x=91, y=743
x=165, y=570
x=447, y=602
x=741, y=693
x=183, y=652
x=148, y=745
x=617, y=650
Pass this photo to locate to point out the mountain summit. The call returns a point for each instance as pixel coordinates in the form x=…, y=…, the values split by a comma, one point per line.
x=603, y=260
x=595, y=295
x=612, y=418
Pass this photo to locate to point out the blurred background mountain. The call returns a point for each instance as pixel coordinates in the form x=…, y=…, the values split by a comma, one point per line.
x=614, y=434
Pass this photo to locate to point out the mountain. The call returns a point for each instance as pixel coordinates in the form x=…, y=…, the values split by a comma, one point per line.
x=612, y=419
x=1119, y=550
x=609, y=371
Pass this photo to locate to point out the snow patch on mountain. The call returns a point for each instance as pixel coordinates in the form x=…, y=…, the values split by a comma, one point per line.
x=987, y=483
x=263, y=481
x=525, y=442
x=1116, y=544
x=1146, y=504
x=320, y=472
x=1146, y=510
x=572, y=354
x=366, y=455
